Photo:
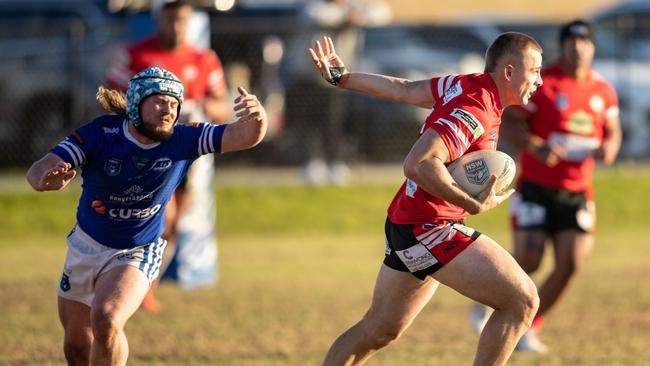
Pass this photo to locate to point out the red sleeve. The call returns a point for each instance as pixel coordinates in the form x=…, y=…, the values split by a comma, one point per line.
x=439, y=85
x=120, y=68
x=216, y=80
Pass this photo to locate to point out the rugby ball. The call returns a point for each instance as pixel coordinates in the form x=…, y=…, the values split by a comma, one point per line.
x=472, y=171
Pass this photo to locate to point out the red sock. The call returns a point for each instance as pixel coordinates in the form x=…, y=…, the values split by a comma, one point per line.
x=538, y=321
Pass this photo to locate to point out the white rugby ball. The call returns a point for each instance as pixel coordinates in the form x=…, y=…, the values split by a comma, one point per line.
x=472, y=171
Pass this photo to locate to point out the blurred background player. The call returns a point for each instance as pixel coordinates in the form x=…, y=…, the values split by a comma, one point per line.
x=572, y=120
x=131, y=162
x=190, y=224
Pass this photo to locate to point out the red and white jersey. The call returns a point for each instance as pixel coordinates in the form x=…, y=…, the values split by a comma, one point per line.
x=573, y=114
x=467, y=116
x=199, y=70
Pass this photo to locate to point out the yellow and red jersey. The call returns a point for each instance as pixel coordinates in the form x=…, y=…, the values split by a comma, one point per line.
x=467, y=116
x=573, y=114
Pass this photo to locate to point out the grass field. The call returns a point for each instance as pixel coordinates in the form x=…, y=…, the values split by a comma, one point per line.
x=297, y=268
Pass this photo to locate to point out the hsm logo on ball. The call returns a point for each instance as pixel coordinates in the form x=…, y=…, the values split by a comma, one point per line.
x=477, y=171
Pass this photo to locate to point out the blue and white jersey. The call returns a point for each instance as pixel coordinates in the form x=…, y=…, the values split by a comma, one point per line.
x=127, y=184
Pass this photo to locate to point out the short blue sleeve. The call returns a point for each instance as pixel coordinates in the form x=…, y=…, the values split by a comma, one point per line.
x=210, y=139
x=201, y=138
x=79, y=146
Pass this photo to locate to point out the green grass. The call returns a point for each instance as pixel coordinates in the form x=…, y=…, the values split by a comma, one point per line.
x=297, y=268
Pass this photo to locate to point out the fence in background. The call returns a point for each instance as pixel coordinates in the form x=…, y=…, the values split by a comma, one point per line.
x=51, y=65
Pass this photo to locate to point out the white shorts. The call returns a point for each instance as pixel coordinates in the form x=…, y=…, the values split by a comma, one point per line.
x=86, y=260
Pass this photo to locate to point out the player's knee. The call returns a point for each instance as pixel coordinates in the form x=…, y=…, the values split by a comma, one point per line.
x=523, y=303
x=384, y=337
x=568, y=268
x=76, y=353
x=529, y=264
x=528, y=259
x=105, y=326
x=528, y=302
x=381, y=335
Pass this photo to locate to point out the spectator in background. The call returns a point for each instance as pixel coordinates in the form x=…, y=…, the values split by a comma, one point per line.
x=318, y=111
x=190, y=226
x=571, y=121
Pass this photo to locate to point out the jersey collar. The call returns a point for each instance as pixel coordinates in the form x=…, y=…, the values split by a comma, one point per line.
x=127, y=134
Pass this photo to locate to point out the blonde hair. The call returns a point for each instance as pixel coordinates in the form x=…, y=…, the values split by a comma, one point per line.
x=512, y=43
x=111, y=100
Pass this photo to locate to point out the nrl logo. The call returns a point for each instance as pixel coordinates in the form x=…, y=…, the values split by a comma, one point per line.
x=477, y=171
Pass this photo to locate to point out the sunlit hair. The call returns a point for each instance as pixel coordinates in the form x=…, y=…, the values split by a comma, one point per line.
x=509, y=43
x=111, y=100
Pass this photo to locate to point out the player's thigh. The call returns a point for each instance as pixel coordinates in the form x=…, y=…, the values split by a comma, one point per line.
x=119, y=292
x=183, y=196
x=75, y=318
x=529, y=247
x=487, y=273
x=399, y=297
x=572, y=247
x=171, y=217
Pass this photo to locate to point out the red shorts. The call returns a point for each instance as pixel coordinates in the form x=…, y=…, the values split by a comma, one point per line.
x=424, y=249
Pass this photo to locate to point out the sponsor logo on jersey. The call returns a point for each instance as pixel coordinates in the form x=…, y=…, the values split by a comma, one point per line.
x=99, y=207
x=133, y=194
x=134, y=213
x=111, y=130
x=113, y=166
x=580, y=123
x=452, y=92
x=416, y=258
x=476, y=171
x=468, y=119
x=139, y=161
x=162, y=164
x=597, y=103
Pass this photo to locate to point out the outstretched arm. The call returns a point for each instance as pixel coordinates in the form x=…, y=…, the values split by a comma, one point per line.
x=250, y=127
x=384, y=87
x=50, y=173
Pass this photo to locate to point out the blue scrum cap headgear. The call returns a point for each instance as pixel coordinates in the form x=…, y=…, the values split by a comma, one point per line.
x=151, y=81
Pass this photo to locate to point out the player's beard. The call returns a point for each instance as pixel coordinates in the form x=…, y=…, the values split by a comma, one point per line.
x=156, y=133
